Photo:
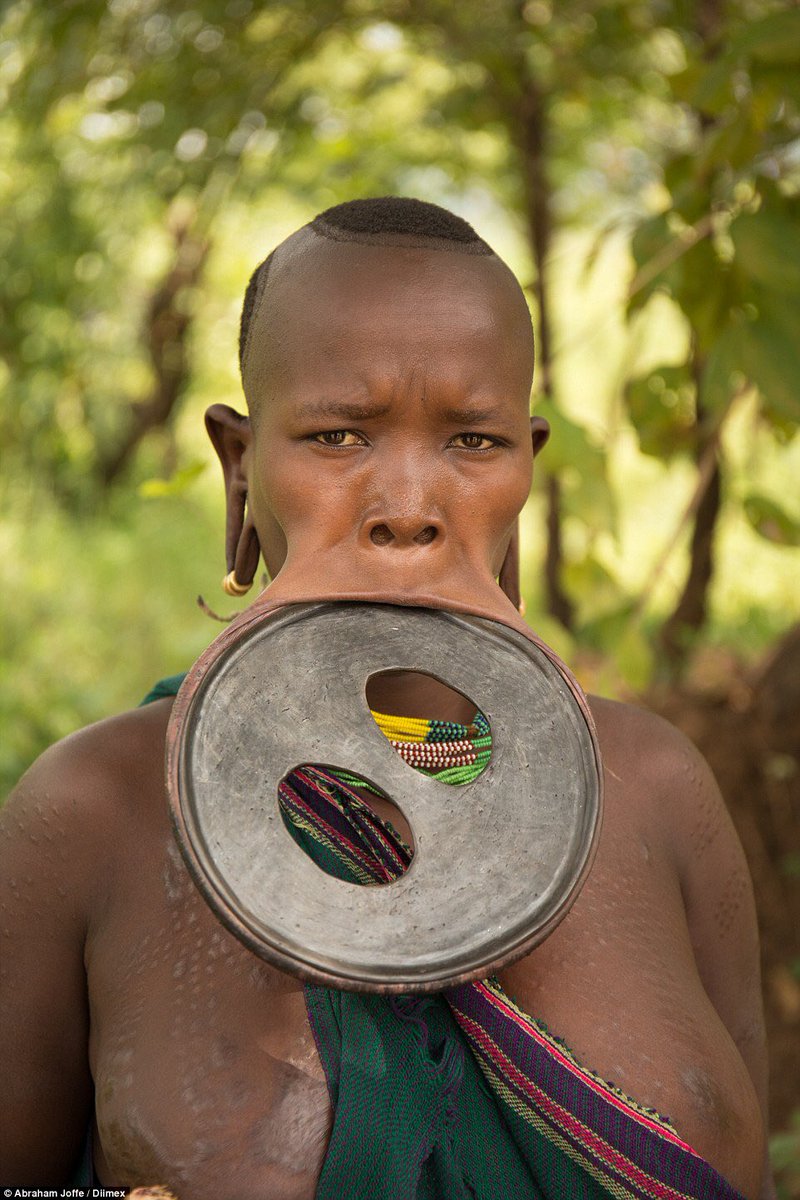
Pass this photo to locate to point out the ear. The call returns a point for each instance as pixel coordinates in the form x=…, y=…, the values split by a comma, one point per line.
x=540, y=432
x=231, y=435
x=509, y=572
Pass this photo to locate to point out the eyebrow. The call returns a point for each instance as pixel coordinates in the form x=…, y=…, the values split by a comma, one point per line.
x=348, y=410
x=343, y=410
x=472, y=416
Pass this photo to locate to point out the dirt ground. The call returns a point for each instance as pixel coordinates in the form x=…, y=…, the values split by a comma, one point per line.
x=747, y=724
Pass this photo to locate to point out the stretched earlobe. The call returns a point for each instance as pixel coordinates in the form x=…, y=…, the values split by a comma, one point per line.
x=245, y=558
x=509, y=572
x=540, y=433
x=231, y=435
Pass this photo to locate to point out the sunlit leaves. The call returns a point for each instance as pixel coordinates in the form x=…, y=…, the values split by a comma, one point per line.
x=581, y=466
x=771, y=359
x=176, y=485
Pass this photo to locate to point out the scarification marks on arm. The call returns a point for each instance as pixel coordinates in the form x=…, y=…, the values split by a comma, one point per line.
x=709, y=813
x=730, y=900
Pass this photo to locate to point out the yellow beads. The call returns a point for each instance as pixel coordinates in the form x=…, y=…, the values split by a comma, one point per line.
x=402, y=729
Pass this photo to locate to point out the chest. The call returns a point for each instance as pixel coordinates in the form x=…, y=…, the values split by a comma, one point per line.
x=205, y=1064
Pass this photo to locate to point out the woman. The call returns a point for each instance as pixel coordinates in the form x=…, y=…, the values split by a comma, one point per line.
x=386, y=359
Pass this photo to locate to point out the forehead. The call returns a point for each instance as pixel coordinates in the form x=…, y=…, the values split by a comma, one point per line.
x=333, y=308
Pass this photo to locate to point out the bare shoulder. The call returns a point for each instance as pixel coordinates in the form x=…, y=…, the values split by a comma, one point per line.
x=662, y=780
x=106, y=757
x=666, y=788
x=78, y=799
x=633, y=737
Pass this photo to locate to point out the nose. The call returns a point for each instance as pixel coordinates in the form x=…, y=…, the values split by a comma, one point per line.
x=405, y=508
x=403, y=530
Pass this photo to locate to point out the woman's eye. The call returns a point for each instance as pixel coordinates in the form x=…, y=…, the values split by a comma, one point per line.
x=473, y=441
x=339, y=437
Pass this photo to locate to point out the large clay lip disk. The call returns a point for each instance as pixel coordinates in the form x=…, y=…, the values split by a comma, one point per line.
x=497, y=861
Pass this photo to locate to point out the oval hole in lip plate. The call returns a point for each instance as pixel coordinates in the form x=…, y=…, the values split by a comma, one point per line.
x=307, y=785
x=397, y=699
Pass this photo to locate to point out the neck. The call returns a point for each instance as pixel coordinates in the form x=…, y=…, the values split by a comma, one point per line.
x=411, y=694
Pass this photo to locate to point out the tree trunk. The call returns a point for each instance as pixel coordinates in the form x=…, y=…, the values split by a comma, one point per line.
x=691, y=611
x=531, y=137
x=166, y=331
x=689, y=616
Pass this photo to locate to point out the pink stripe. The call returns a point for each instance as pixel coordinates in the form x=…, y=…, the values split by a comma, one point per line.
x=375, y=829
x=576, y=1070
x=583, y=1134
x=335, y=837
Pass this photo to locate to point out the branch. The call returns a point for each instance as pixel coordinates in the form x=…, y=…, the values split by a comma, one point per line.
x=166, y=333
x=705, y=472
x=670, y=253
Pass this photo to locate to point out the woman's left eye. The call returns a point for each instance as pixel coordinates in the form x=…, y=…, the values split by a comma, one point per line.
x=473, y=441
x=339, y=437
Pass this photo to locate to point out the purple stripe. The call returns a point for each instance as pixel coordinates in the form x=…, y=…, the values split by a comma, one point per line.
x=643, y=1146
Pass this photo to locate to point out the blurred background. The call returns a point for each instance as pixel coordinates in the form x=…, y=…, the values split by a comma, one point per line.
x=637, y=162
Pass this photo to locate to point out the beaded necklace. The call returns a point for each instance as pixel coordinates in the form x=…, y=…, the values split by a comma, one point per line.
x=454, y=753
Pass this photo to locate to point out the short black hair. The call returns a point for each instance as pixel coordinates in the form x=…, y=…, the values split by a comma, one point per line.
x=379, y=219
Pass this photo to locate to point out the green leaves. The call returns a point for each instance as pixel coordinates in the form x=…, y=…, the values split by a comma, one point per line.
x=176, y=485
x=661, y=407
x=770, y=355
x=767, y=248
x=771, y=521
x=580, y=465
x=775, y=39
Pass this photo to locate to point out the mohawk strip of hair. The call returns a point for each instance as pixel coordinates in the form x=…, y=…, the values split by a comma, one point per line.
x=383, y=220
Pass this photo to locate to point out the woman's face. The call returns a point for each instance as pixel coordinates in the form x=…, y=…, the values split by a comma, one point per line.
x=390, y=423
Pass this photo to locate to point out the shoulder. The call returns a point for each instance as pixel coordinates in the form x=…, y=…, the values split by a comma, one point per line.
x=659, y=784
x=105, y=755
x=633, y=738
x=81, y=797
x=63, y=833
x=659, y=775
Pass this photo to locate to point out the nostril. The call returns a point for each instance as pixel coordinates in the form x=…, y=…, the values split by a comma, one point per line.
x=426, y=535
x=381, y=535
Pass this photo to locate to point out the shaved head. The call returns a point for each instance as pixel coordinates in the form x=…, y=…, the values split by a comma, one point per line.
x=333, y=249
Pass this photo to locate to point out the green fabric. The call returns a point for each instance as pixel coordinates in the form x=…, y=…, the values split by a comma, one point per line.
x=404, y=1084
x=169, y=686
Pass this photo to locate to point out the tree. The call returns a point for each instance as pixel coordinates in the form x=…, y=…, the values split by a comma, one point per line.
x=725, y=248
x=130, y=150
x=121, y=130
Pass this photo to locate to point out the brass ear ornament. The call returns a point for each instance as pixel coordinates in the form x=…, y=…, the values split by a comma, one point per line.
x=233, y=586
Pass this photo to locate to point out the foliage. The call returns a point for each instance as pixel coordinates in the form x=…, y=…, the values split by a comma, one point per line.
x=724, y=246
x=125, y=142
x=784, y=1153
x=139, y=128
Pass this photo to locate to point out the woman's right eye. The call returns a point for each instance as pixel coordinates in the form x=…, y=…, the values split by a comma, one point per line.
x=339, y=437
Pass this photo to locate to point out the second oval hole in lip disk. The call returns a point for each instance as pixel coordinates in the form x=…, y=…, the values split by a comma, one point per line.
x=313, y=799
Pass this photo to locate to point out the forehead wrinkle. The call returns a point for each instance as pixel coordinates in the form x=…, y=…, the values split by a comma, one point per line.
x=304, y=266
x=344, y=409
